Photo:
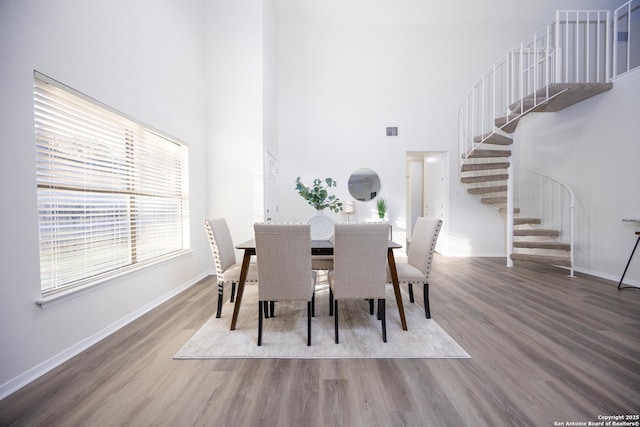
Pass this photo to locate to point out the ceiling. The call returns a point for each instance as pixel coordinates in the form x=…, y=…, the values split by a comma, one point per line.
x=425, y=11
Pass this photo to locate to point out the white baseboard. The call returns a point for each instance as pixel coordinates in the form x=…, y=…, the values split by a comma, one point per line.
x=37, y=371
x=613, y=278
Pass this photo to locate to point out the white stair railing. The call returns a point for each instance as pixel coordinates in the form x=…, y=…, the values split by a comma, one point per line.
x=540, y=195
x=572, y=49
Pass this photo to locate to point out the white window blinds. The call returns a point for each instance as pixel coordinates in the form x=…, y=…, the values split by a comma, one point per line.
x=112, y=193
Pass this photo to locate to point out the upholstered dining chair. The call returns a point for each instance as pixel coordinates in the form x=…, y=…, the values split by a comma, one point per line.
x=284, y=266
x=224, y=255
x=359, y=271
x=417, y=268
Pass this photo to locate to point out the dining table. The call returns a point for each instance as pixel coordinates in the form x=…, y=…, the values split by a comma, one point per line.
x=318, y=247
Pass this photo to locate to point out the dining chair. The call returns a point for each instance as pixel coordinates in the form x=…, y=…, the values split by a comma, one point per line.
x=359, y=271
x=284, y=266
x=417, y=267
x=224, y=255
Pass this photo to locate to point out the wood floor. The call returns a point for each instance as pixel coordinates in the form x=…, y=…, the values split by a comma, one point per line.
x=546, y=349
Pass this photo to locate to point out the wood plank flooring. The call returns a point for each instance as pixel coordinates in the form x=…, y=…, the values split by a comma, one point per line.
x=546, y=349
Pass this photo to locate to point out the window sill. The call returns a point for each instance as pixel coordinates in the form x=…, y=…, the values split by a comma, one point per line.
x=58, y=297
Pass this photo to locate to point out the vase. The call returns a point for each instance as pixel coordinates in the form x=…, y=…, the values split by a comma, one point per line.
x=321, y=226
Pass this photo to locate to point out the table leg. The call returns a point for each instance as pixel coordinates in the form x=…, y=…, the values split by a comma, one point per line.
x=628, y=262
x=243, y=278
x=396, y=286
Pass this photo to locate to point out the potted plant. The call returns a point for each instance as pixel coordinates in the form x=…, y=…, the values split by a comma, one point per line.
x=381, y=204
x=318, y=196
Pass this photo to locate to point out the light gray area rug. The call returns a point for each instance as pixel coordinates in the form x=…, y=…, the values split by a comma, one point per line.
x=285, y=335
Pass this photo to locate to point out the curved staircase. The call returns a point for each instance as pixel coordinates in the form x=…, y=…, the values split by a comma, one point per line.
x=543, y=74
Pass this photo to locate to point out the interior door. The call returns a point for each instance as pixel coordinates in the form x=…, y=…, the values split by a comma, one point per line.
x=436, y=184
x=434, y=180
x=270, y=188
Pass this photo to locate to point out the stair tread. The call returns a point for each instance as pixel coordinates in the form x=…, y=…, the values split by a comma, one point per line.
x=484, y=178
x=508, y=124
x=542, y=245
x=553, y=260
x=504, y=210
x=487, y=190
x=493, y=139
x=536, y=232
x=484, y=166
x=475, y=154
x=521, y=221
x=493, y=200
x=563, y=95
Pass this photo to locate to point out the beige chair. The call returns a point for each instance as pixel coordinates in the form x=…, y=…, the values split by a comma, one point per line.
x=360, y=260
x=418, y=266
x=224, y=255
x=284, y=260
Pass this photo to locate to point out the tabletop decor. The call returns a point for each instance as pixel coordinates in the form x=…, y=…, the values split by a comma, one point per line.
x=318, y=197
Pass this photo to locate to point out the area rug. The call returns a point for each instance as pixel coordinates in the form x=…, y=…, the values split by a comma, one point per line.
x=285, y=335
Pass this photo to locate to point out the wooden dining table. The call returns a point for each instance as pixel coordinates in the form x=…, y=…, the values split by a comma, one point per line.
x=318, y=247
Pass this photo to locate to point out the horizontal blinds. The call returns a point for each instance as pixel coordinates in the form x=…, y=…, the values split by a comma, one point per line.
x=112, y=193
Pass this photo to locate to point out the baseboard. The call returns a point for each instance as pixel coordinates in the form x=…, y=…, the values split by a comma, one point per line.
x=616, y=279
x=34, y=373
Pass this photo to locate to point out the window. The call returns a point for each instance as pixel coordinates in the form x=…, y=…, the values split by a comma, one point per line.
x=112, y=192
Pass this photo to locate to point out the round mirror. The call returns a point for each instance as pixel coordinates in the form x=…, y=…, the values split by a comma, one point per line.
x=364, y=184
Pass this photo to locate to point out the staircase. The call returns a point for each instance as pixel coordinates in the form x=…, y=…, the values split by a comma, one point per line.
x=546, y=73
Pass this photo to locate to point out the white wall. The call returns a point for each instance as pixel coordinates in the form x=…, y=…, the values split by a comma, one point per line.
x=593, y=147
x=238, y=114
x=341, y=85
x=144, y=58
x=341, y=82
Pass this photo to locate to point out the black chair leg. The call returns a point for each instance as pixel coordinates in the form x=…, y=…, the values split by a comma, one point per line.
x=313, y=304
x=265, y=307
x=335, y=320
x=309, y=309
x=260, y=314
x=411, y=292
x=220, y=296
x=233, y=292
x=371, y=306
x=272, y=306
x=330, y=302
x=427, y=311
x=383, y=316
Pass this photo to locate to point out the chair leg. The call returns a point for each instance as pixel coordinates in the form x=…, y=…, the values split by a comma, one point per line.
x=425, y=291
x=371, y=306
x=272, y=306
x=309, y=309
x=383, y=317
x=260, y=307
x=330, y=302
x=411, y=292
x=265, y=307
x=233, y=292
x=220, y=296
x=335, y=320
x=313, y=304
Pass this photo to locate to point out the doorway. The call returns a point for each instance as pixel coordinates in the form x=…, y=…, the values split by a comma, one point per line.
x=427, y=190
